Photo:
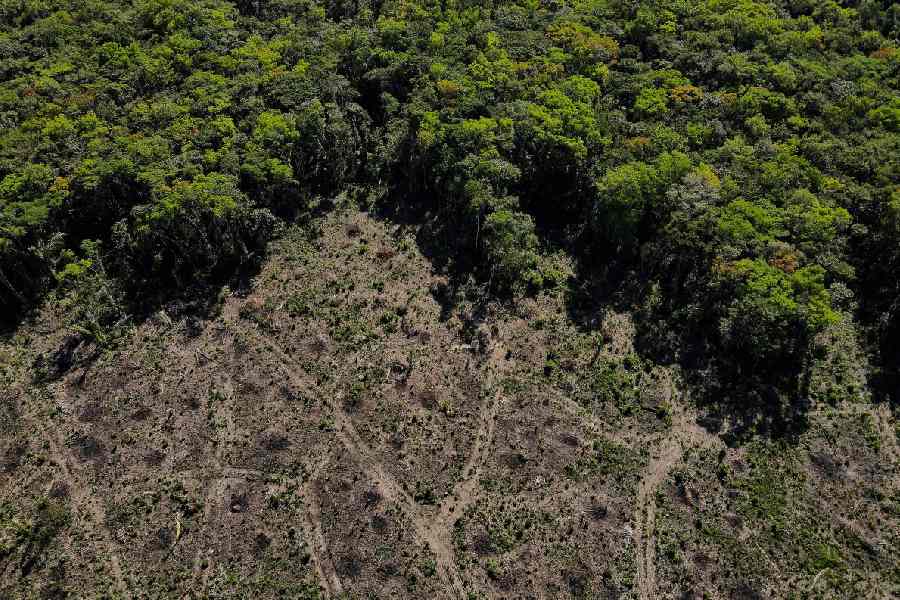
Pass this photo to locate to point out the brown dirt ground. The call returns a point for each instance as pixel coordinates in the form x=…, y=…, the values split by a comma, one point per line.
x=329, y=434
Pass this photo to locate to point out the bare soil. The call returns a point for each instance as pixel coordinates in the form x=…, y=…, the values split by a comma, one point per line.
x=339, y=431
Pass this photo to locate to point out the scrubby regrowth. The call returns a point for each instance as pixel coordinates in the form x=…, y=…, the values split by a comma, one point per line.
x=570, y=298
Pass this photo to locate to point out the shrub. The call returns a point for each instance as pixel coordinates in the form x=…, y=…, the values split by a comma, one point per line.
x=511, y=250
x=194, y=231
x=773, y=313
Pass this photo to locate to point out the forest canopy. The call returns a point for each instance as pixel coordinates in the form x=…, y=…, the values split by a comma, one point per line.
x=736, y=161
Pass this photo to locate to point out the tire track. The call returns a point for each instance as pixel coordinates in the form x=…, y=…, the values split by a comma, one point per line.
x=318, y=545
x=80, y=495
x=425, y=528
x=325, y=570
x=684, y=433
x=214, y=488
x=645, y=516
x=214, y=485
x=465, y=492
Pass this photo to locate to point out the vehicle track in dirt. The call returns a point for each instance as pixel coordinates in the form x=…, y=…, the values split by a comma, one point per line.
x=312, y=516
x=465, y=492
x=431, y=526
x=81, y=496
x=214, y=483
x=426, y=528
x=215, y=476
x=683, y=434
x=214, y=479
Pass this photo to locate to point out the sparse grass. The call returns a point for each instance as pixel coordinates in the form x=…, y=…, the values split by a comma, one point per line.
x=605, y=458
x=26, y=533
x=578, y=422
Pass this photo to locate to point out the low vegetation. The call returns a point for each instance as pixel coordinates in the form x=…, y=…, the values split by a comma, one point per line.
x=439, y=297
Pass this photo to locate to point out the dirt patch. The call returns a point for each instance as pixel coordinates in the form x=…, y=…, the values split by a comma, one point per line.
x=353, y=425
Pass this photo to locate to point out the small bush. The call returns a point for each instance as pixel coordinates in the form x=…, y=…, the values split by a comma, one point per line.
x=510, y=246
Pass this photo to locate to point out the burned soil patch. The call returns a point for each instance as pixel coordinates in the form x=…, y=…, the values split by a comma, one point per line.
x=353, y=424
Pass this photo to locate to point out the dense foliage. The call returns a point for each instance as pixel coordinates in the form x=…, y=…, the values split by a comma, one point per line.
x=739, y=159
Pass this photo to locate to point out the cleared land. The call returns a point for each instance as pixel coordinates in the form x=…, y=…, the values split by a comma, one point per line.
x=347, y=427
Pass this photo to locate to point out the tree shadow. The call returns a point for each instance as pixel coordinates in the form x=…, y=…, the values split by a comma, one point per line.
x=884, y=380
x=189, y=305
x=882, y=335
x=437, y=236
x=738, y=400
